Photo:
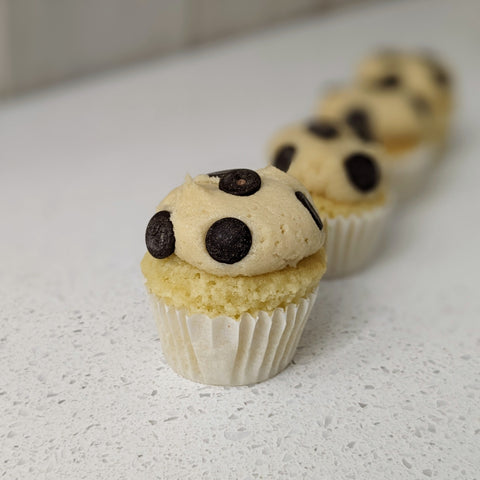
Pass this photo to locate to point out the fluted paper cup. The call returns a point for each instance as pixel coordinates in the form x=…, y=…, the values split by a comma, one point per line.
x=228, y=351
x=407, y=173
x=352, y=241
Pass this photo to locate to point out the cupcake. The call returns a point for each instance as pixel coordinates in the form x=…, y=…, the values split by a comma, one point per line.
x=343, y=175
x=400, y=122
x=234, y=259
x=419, y=73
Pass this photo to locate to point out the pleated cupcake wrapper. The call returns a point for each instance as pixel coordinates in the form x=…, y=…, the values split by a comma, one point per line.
x=407, y=173
x=228, y=351
x=352, y=241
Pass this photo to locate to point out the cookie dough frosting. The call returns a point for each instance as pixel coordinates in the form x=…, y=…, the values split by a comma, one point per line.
x=237, y=223
x=423, y=74
x=397, y=119
x=420, y=74
x=339, y=168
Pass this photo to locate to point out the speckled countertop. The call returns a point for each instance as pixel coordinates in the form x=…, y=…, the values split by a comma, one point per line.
x=386, y=381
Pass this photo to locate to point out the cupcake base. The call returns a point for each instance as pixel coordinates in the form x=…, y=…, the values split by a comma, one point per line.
x=353, y=240
x=228, y=351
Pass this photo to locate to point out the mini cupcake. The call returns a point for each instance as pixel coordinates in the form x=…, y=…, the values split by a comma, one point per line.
x=402, y=124
x=342, y=173
x=234, y=259
x=419, y=73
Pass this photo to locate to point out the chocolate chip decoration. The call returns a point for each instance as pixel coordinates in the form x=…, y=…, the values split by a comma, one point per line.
x=388, y=81
x=283, y=157
x=439, y=74
x=358, y=120
x=240, y=181
x=362, y=171
x=228, y=240
x=323, y=129
x=220, y=173
x=311, y=209
x=421, y=105
x=441, y=77
x=159, y=236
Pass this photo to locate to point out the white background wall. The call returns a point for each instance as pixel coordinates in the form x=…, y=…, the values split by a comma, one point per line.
x=45, y=41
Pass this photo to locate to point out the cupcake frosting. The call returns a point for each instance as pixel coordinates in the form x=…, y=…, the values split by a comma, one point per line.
x=420, y=74
x=396, y=118
x=237, y=222
x=330, y=160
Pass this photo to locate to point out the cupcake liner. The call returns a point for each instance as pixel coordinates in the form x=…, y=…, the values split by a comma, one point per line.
x=228, y=351
x=353, y=240
x=406, y=173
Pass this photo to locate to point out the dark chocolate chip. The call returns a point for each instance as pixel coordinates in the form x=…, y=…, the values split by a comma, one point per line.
x=421, y=105
x=159, y=236
x=441, y=77
x=323, y=129
x=439, y=74
x=220, y=173
x=358, y=120
x=228, y=240
x=283, y=157
x=362, y=171
x=240, y=181
x=311, y=209
x=388, y=81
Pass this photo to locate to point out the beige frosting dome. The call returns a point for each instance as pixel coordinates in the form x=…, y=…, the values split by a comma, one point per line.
x=211, y=225
x=394, y=117
x=422, y=75
x=340, y=167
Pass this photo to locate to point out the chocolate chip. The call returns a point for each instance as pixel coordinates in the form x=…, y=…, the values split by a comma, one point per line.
x=388, y=81
x=421, y=105
x=228, y=240
x=220, y=173
x=159, y=236
x=439, y=74
x=311, y=209
x=441, y=77
x=283, y=157
x=358, y=120
x=362, y=171
x=323, y=129
x=240, y=181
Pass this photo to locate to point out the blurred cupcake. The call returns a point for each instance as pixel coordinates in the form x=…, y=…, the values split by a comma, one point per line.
x=402, y=124
x=419, y=73
x=234, y=259
x=342, y=173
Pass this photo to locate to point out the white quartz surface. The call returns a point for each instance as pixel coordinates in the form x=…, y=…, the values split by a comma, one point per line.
x=386, y=381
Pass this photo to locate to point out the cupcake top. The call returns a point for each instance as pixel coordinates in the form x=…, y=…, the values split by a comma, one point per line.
x=395, y=118
x=331, y=160
x=237, y=222
x=420, y=73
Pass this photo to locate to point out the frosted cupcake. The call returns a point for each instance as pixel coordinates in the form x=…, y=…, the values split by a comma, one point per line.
x=421, y=74
x=234, y=259
x=342, y=173
x=400, y=122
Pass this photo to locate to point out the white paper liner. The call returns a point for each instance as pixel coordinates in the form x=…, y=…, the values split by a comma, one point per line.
x=407, y=173
x=228, y=351
x=353, y=240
